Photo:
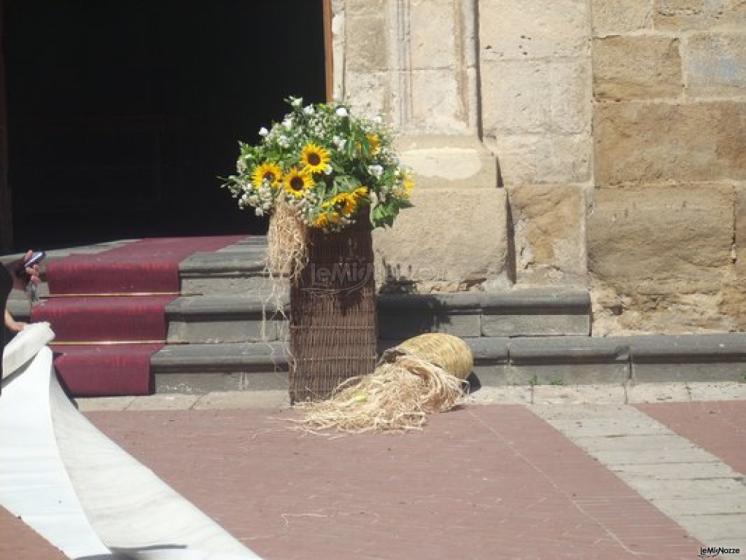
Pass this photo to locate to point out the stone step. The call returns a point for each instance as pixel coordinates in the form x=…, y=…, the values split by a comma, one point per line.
x=230, y=318
x=499, y=361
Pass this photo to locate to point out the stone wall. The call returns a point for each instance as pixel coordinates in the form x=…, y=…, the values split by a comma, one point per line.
x=666, y=225
x=620, y=132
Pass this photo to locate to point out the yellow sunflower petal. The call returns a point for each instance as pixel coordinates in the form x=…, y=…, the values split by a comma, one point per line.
x=314, y=158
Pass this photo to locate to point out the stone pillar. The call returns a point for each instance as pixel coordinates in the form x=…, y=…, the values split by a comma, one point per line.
x=415, y=62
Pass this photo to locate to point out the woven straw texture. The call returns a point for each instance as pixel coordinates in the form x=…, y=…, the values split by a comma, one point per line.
x=333, y=323
x=443, y=350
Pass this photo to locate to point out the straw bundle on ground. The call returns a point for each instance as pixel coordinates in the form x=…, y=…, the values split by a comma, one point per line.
x=423, y=375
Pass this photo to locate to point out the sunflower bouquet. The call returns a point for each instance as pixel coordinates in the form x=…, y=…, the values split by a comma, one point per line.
x=326, y=166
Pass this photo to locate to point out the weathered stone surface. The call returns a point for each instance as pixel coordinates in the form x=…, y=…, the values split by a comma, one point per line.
x=661, y=240
x=536, y=325
x=651, y=142
x=436, y=103
x=612, y=17
x=549, y=229
x=439, y=161
x=364, y=7
x=636, y=68
x=537, y=29
x=733, y=302
x=365, y=38
x=658, y=257
x=451, y=239
x=368, y=92
x=433, y=45
x=535, y=158
x=699, y=14
x=523, y=97
x=716, y=64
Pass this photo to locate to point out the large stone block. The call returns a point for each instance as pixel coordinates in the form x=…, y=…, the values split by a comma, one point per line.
x=612, y=17
x=682, y=15
x=549, y=226
x=452, y=239
x=436, y=105
x=368, y=92
x=432, y=34
x=659, y=256
x=365, y=39
x=537, y=29
x=654, y=142
x=661, y=240
x=532, y=159
x=365, y=7
x=448, y=161
x=716, y=64
x=636, y=68
x=522, y=97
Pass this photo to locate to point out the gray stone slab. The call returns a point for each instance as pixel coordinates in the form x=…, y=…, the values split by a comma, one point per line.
x=489, y=349
x=247, y=357
x=206, y=330
x=247, y=261
x=724, y=347
x=490, y=375
x=536, y=325
x=406, y=315
x=567, y=373
x=209, y=381
x=567, y=350
x=606, y=393
x=689, y=371
x=538, y=300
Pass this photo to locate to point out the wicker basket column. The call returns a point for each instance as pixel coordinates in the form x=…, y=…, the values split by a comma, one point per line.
x=333, y=322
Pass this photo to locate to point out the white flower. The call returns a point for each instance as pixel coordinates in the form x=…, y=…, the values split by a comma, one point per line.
x=288, y=123
x=258, y=211
x=375, y=170
x=308, y=110
x=296, y=101
x=263, y=131
x=341, y=112
x=283, y=141
x=328, y=170
x=378, y=119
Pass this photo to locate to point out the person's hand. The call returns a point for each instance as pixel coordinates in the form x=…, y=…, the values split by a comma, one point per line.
x=15, y=326
x=20, y=280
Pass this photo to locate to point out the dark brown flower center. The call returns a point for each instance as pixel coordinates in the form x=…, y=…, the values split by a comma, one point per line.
x=269, y=176
x=314, y=158
x=296, y=183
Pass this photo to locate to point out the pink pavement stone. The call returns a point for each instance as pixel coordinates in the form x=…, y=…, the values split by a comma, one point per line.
x=19, y=542
x=716, y=426
x=483, y=482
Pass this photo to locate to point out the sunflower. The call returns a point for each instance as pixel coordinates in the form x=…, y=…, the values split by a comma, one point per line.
x=314, y=158
x=360, y=192
x=327, y=219
x=374, y=141
x=297, y=182
x=407, y=183
x=346, y=202
x=267, y=171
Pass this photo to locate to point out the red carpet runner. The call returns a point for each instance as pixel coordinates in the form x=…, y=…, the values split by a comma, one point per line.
x=117, y=296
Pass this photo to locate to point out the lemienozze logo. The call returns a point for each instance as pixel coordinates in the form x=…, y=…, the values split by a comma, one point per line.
x=339, y=277
x=713, y=551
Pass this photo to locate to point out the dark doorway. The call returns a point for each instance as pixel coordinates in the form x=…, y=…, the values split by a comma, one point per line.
x=122, y=115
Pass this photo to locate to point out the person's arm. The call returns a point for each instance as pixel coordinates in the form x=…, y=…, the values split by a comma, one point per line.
x=21, y=280
x=11, y=324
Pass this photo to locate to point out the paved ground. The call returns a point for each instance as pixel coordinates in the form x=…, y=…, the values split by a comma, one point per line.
x=542, y=481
